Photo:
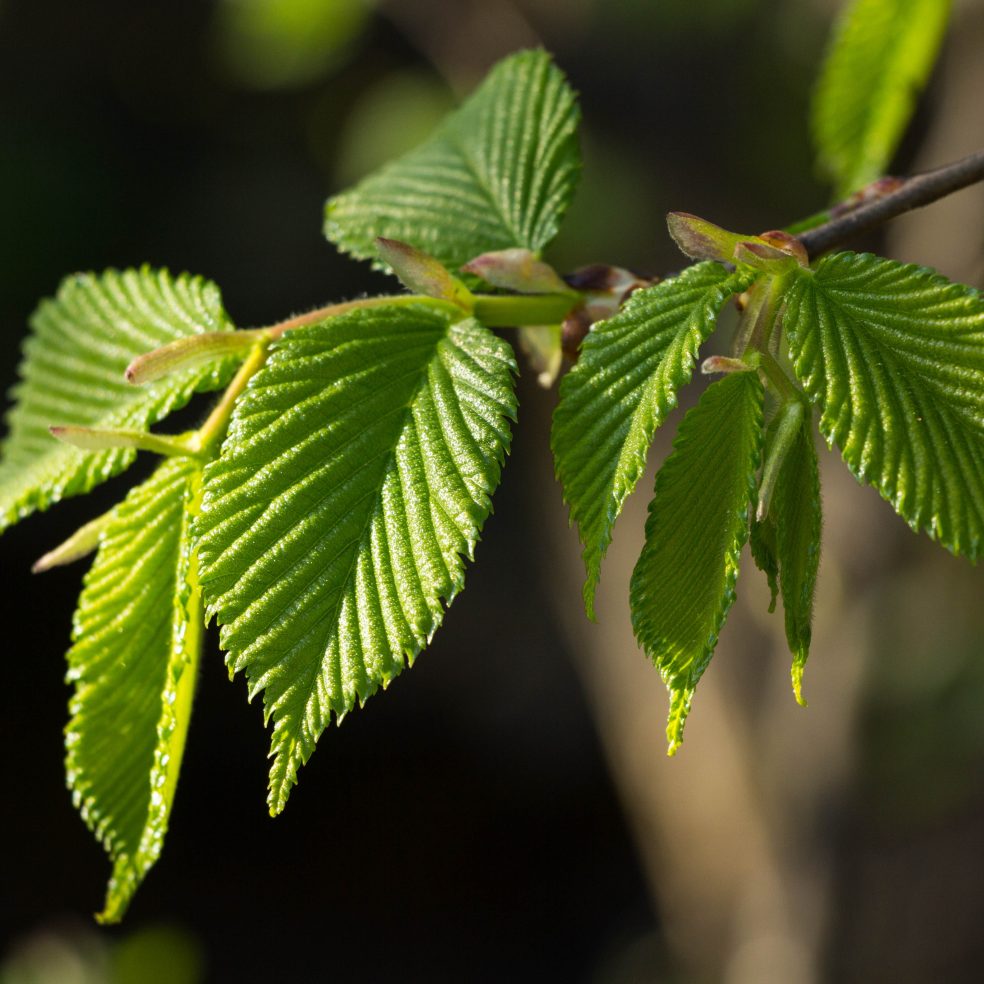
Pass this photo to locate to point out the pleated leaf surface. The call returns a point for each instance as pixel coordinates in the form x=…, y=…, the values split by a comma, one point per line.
x=880, y=57
x=684, y=582
x=894, y=356
x=137, y=635
x=620, y=390
x=499, y=172
x=72, y=373
x=354, y=480
x=797, y=518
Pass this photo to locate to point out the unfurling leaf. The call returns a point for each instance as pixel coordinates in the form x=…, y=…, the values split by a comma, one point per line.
x=420, y=273
x=795, y=523
x=894, y=356
x=762, y=540
x=80, y=544
x=355, y=477
x=517, y=269
x=498, y=173
x=880, y=56
x=684, y=582
x=700, y=239
x=72, y=373
x=619, y=392
x=133, y=664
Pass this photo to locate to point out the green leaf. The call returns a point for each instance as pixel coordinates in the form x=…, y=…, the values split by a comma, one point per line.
x=356, y=475
x=797, y=519
x=762, y=540
x=619, y=392
x=894, y=356
x=879, y=58
x=72, y=373
x=498, y=173
x=684, y=582
x=137, y=638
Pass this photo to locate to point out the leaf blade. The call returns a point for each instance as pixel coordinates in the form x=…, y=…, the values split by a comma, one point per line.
x=72, y=373
x=498, y=173
x=618, y=393
x=894, y=356
x=879, y=58
x=683, y=584
x=355, y=478
x=797, y=514
x=133, y=663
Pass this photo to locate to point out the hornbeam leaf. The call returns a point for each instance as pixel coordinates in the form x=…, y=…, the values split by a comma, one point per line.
x=137, y=638
x=72, y=373
x=894, y=356
x=880, y=56
x=355, y=477
x=684, y=582
x=798, y=521
x=762, y=541
x=498, y=173
x=620, y=390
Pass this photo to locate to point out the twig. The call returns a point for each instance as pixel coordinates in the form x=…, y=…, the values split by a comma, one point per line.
x=907, y=194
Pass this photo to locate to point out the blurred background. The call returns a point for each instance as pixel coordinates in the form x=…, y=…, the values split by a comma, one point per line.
x=506, y=810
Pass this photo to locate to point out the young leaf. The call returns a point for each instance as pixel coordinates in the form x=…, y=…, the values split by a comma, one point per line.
x=880, y=56
x=134, y=660
x=684, y=582
x=72, y=373
x=762, y=540
x=894, y=355
x=616, y=396
x=420, y=273
x=355, y=477
x=795, y=513
x=498, y=173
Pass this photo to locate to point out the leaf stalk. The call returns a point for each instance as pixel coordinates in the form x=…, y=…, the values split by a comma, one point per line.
x=519, y=310
x=104, y=439
x=214, y=428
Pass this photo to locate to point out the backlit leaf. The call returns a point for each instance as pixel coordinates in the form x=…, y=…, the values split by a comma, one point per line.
x=72, y=373
x=684, y=582
x=620, y=390
x=133, y=664
x=355, y=479
x=880, y=56
x=796, y=518
x=498, y=173
x=894, y=356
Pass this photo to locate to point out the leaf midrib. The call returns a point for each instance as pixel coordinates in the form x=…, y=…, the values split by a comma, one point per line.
x=308, y=693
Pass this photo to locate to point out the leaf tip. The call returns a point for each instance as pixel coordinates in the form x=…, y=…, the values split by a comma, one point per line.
x=43, y=563
x=588, y=593
x=122, y=885
x=680, y=701
x=111, y=915
x=715, y=364
x=796, y=673
x=517, y=269
x=700, y=239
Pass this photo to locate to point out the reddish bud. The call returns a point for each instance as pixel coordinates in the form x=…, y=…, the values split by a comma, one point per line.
x=420, y=273
x=519, y=270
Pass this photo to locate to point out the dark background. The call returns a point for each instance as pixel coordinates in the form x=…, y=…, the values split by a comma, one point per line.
x=465, y=825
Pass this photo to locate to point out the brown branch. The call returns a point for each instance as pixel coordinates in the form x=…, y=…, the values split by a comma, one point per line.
x=905, y=195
